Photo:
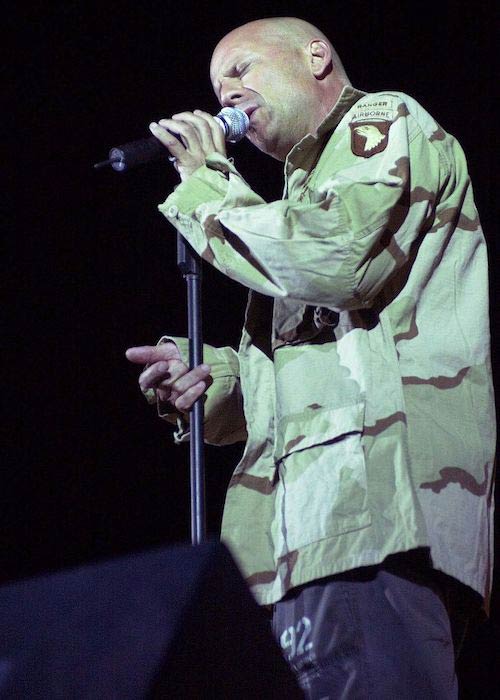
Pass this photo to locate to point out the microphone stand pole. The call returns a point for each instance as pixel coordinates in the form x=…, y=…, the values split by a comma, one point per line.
x=189, y=264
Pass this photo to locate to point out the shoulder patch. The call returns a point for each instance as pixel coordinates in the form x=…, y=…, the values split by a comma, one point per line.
x=369, y=138
x=370, y=124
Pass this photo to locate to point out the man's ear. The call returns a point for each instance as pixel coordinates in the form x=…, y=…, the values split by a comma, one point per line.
x=320, y=58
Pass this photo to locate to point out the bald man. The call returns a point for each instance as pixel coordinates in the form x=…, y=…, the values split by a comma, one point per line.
x=362, y=388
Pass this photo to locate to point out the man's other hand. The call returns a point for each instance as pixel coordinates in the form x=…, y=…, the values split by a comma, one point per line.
x=169, y=376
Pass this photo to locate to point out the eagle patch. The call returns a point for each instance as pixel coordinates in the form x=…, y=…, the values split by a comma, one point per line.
x=372, y=117
x=369, y=137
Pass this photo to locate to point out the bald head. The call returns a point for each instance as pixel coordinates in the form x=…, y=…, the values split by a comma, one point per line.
x=295, y=32
x=284, y=73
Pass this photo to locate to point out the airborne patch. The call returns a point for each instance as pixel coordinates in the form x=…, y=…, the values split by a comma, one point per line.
x=368, y=138
x=370, y=126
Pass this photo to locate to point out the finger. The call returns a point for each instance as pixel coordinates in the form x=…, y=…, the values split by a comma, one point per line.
x=187, y=399
x=189, y=133
x=172, y=396
x=176, y=369
x=153, y=375
x=164, y=396
x=165, y=373
x=147, y=354
x=189, y=379
x=168, y=139
x=218, y=133
x=203, y=126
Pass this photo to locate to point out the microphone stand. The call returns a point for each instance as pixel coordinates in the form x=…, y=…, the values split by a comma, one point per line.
x=235, y=123
x=189, y=264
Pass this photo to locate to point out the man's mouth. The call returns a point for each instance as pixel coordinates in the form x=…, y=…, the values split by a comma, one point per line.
x=250, y=110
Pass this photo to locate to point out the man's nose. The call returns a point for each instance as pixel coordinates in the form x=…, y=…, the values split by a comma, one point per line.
x=231, y=93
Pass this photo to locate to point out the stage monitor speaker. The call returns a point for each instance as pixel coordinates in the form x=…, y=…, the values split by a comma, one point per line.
x=170, y=623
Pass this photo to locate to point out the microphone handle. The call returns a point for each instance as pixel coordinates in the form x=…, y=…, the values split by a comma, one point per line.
x=142, y=151
x=233, y=121
x=135, y=153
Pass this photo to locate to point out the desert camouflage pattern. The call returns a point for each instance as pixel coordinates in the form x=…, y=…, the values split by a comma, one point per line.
x=362, y=383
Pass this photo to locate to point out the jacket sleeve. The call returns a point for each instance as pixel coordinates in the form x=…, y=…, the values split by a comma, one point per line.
x=224, y=421
x=336, y=250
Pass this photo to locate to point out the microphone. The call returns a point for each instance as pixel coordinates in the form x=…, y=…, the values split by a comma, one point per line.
x=234, y=122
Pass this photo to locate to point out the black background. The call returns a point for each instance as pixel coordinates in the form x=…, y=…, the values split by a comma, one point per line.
x=90, y=263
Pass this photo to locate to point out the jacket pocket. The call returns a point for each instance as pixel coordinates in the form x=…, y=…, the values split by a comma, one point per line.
x=322, y=488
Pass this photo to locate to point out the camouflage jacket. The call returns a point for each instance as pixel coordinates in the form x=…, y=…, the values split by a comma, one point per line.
x=362, y=384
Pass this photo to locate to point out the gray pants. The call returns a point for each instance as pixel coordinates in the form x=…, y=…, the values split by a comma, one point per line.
x=376, y=633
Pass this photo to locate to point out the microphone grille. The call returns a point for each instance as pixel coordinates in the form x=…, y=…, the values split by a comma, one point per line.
x=236, y=123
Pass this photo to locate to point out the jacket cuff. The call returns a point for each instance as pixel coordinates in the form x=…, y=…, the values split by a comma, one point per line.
x=208, y=183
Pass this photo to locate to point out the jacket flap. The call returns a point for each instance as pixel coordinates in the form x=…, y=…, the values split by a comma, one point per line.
x=317, y=425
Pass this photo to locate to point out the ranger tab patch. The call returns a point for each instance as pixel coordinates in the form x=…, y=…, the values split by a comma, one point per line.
x=370, y=126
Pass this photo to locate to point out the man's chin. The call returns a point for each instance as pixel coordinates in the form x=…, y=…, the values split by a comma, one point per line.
x=269, y=150
x=255, y=139
x=260, y=141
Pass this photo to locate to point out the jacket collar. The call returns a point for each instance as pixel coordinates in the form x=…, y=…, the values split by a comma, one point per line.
x=305, y=152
